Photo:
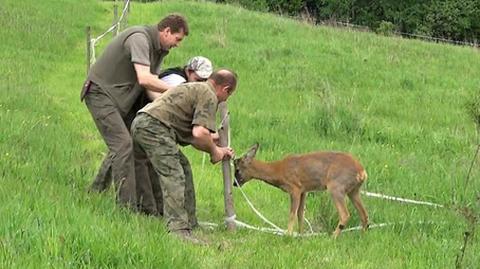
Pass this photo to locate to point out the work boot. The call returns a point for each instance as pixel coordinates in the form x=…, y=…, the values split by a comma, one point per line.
x=186, y=235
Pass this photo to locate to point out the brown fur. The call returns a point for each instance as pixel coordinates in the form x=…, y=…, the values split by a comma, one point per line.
x=297, y=175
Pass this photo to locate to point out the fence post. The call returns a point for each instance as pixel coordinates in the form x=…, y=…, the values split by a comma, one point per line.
x=125, y=18
x=227, y=179
x=115, y=18
x=89, y=43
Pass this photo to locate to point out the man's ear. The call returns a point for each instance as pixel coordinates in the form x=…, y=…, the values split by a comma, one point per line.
x=165, y=31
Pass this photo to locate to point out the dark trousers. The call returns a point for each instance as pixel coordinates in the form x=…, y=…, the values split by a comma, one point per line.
x=116, y=135
x=149, y=192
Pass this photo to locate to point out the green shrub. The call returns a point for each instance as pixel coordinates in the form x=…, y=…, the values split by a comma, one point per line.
x=385, y=28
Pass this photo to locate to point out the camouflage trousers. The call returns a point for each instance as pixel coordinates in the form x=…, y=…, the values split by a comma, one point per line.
x=159, y=143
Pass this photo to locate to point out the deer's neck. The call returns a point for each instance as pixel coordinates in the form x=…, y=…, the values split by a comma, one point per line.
x=267, y=172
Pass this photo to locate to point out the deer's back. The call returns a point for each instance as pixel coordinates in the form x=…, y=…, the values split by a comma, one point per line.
x=317, y=170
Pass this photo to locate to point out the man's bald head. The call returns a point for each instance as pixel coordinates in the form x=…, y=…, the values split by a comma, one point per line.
x=224, y=77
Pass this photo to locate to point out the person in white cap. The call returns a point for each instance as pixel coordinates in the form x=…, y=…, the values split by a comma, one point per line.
x=198, y=68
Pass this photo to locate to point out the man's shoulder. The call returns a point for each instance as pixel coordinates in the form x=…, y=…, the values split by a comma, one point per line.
x=197, y=88
x=140, y=32
x=137, y=28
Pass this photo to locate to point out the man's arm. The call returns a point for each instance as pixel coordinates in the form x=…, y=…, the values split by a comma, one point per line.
x=153, y=95
x=148, y=80
x=172, y=80
x=202, y=140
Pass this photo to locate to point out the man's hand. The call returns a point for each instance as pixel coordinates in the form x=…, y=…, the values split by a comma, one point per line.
x=204, y=141
x=221, y=153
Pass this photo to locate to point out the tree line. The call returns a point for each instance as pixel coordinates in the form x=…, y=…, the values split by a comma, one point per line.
x=457, y=20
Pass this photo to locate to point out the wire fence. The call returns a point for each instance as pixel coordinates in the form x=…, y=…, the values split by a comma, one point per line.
x=395, y=33
x=402, y=34
x=306, y=17
x=117, y=25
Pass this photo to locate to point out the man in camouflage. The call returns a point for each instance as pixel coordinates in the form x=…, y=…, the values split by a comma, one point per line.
x=132, y=58
x=184, y=115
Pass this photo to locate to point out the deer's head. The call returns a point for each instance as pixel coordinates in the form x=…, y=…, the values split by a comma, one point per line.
x=242, y=166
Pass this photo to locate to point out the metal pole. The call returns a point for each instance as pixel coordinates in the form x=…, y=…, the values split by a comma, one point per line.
x=227, y=179
x=89, y=51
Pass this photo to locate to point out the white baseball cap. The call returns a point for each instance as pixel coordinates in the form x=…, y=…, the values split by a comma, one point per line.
x=201, y=66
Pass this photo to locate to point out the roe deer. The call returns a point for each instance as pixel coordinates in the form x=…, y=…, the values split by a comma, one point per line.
x=337, y=172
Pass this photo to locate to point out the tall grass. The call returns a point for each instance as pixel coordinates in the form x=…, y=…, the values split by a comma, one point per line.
x=406, y=108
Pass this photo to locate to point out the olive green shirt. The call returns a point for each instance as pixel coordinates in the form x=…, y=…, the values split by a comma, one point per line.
x=183, y=107
x=114, y=70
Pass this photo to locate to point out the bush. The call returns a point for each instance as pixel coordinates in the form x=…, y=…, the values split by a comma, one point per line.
x=385, y=28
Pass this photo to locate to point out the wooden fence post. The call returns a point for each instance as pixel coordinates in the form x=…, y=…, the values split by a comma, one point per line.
x=115, y=18
x=227, y=179
x=89, y=48
x=125, y=18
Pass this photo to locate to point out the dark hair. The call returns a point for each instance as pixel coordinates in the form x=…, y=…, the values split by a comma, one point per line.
x=176, y=22
x=225, y=77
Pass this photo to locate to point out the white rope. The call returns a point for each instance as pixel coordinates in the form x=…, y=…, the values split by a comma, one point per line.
x=116, y=25
x=206, y=223
x=403, y=200
x=231, y=218
x=309, y=225
x=227, y=115
x=311, y=234
x=255, y=210
x=262, y=229
x=295, y=234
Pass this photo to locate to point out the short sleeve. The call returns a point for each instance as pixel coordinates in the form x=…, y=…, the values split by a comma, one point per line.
x=205, y=111
x=137, y=45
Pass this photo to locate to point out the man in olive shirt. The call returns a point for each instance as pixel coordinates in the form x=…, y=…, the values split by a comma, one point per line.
x=133, y=57
x=184, y=115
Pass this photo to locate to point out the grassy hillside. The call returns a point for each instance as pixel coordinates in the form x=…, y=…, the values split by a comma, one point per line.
x=400, y=106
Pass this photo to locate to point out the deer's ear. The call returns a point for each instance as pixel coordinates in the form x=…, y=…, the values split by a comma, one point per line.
x=252, y=151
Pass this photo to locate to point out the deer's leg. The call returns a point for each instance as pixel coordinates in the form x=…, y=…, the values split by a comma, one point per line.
x=294, y=203
x=301, y=211
x=339, y=201
x=357, y=202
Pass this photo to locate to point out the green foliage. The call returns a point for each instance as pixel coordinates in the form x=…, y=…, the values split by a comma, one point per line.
x=385, y=28
x=398, y=105
x=450, y=19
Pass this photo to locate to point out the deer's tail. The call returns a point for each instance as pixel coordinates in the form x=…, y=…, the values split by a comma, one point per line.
x=362, y=176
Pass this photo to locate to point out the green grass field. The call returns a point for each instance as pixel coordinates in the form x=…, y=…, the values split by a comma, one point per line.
x=403, y=107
